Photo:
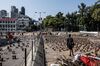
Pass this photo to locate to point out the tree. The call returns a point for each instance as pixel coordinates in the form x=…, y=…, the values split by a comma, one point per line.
x=87, y=18
x=47, y=21
x=96, y=11
x=56, y=22
x=95, y=14
x=71, y=21
x=82, y=12
x=60, y=20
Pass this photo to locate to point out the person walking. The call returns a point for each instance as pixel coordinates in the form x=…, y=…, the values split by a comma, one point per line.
x=70, y=44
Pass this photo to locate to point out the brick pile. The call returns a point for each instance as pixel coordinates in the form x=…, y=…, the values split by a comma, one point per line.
x=58, y=44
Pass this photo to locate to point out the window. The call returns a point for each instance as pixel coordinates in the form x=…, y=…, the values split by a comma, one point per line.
x=3, y=22
x=13, y=25
x=5, y=25
x=8, y=22
x=8, y=26
x=14, y=22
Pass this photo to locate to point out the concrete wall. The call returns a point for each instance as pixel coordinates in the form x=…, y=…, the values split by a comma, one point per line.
x=29, y=59
x=39, y=56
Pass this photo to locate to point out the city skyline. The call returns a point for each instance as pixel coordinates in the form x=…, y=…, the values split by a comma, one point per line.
x=48, y=6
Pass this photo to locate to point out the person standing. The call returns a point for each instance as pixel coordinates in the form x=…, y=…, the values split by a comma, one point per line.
x=70, y=44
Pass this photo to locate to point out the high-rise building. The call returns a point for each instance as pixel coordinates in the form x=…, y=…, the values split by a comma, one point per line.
x=14, y=12
x=22, y=10
x=3, y=13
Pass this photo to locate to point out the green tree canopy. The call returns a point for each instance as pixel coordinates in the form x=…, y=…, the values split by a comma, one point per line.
x=96, y=11
x=56, y=22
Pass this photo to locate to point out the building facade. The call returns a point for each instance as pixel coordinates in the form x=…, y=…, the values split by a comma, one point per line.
x=22, y=22
x=16, y=23
x=7, y=25
x=13, y=25
x=3, y=13
x=36, y=22
x=14, y=12
x=22, y=12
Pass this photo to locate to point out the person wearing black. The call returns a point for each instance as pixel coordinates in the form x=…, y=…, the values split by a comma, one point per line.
x=70, y=44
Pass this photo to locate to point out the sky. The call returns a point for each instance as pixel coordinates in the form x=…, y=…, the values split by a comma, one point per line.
x=51, y=7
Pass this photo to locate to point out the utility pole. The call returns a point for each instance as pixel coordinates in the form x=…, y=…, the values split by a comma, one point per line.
x=25, y=57
x=32, y=50
x=40, y=19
